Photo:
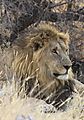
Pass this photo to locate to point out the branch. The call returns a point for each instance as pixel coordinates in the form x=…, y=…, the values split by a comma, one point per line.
x=80, y=9
x=56, y=5
x=66, y=16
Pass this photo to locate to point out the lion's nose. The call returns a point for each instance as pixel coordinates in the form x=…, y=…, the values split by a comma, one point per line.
x=67, y=67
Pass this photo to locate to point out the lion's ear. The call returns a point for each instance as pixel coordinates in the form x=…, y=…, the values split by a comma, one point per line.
x=37, y=45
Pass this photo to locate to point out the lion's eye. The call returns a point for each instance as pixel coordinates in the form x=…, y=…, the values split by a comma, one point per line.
x=66, y=50
x=60, y=38
x=55, y=51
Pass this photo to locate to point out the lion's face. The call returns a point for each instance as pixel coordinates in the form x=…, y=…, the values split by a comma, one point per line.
x=57, y=60
x=52, y=57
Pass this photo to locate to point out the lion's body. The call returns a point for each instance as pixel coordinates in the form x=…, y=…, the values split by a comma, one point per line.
x=44, y=56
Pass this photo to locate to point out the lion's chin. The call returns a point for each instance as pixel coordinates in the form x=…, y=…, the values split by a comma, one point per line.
x=67, y=76
x=63, y=77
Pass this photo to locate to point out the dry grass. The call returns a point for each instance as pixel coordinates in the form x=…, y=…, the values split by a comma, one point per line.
x=13, y=107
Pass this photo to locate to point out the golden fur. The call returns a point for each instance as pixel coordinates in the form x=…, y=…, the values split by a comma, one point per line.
x=43, y=55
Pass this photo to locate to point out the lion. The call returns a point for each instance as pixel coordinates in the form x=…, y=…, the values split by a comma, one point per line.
x=43, y=58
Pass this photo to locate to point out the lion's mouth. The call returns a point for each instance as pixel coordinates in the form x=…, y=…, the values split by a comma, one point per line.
x=61, y=76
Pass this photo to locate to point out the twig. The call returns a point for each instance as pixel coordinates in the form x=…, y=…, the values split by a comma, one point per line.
x=56, y=5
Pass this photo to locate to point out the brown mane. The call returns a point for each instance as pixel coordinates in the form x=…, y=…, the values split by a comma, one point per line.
x=30, y=58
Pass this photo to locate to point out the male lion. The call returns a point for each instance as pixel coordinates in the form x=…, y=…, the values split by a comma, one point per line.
x=43, y=56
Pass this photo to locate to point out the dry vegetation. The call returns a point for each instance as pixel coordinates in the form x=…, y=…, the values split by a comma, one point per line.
x=15, y=17
x=13, y=108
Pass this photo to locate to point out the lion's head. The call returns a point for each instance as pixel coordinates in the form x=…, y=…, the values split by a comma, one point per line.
x=45, y=54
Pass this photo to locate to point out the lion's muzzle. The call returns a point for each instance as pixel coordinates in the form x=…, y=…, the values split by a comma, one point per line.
x=68, y=75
